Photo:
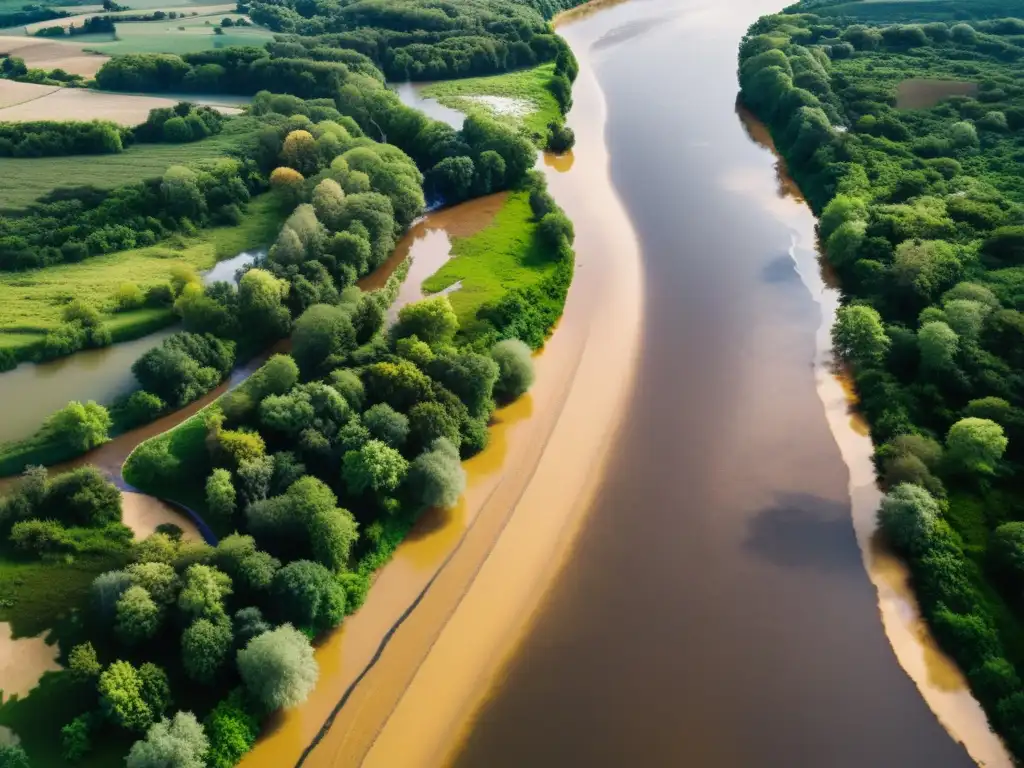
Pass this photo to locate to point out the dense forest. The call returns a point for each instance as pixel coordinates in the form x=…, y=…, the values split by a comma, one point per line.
x=426, y=39
x=908, y=141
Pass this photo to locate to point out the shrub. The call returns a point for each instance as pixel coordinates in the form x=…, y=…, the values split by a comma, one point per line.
x=80, y=426
x=278, y=668
x=180, y=742
x=515, y=369
x=231, y=731
x=74, y=738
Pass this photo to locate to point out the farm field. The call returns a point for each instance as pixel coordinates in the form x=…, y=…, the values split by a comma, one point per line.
x=25, y=101
x=38, y=176
x=31, y=302
x=77, y=19
x=40, y=53
x=187, y=35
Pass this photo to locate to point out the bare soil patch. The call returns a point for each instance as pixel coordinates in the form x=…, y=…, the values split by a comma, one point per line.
x=922, y=93
x=20, y=102
x=50, y=54
x=144, y=513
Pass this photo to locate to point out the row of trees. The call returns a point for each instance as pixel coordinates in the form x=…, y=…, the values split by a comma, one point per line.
x=920, y=215
x=424, y=41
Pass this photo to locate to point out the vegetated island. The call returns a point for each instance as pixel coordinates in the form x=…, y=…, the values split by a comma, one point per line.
x=903, y=124
x=307, y=475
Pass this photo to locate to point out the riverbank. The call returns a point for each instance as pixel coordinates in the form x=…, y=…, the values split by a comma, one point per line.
x=426, y=677
x=941, y=683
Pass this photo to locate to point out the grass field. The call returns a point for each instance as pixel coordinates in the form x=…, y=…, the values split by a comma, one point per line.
x=21, y=102
x=503, y=256
x=31, y=302
x=187, y=35
x=521, y=99
x=39, y=175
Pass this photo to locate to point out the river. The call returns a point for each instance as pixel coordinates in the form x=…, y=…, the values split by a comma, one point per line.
x=722, y=600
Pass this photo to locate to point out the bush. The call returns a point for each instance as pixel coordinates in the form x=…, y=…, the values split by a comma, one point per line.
x=231, y=731
x=278, y=668
x=437, y=476
x=515, y=369
x=81, y=427
x=74, y=738
x=180, y=742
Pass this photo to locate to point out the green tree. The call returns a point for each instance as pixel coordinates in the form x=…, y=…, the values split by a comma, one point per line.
x=204, y=648
x=247, y=624
x=437, y=476
x=515, y=369
x=976, y=445
x=308, y=595
x=204, y=592
x=386, y=424
x=80, y=426
x=374, y=467
x=1006, y=553
x=431, y=320
x=908, y=516
x=74, y=739
x=13, y=756
x=322, y=332
x=430, y=421
x=261, y=307
x=231, y=730
x=123, y=697
x=158, y=579
x=177, y=743
x=938, y=344
x=964, y=135
x=138, y=616
x=84, y=664
x=275, y=377
x=332, y=534
x=278, y=668
x=105, y=591
x=220, y=494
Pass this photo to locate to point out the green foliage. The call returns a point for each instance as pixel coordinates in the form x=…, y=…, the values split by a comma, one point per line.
x=908, y=516
x=432, y=321
x=308, y=596
x=205, y=646
x=75, y=741
x=80, y=426
x=13, y=756
x=976, y=445
x=278, y=668
x=374, y=468
x=220, y=494
x=133, y=698
x=83, y=663
x=137, y=615
x=203, y=593
x=180, y=742
x=231, y=731
x=437, y=477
